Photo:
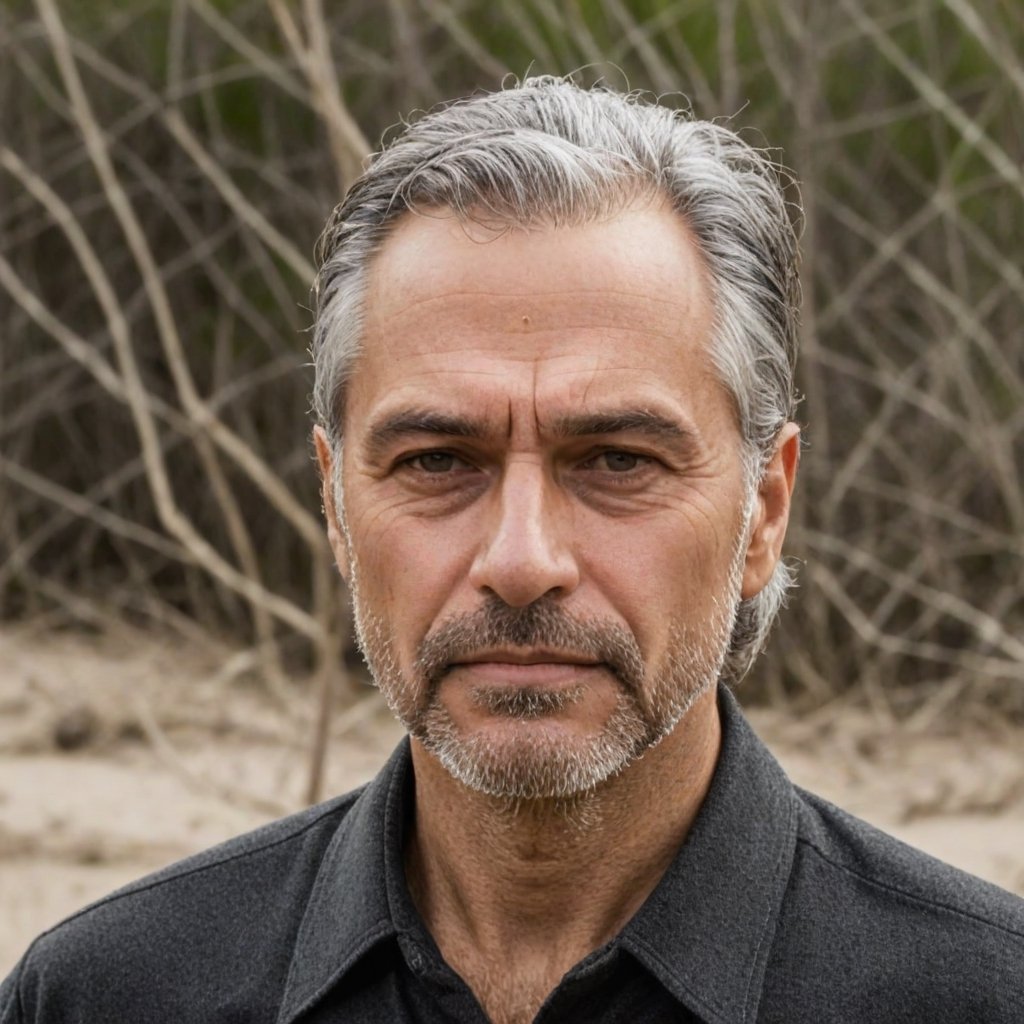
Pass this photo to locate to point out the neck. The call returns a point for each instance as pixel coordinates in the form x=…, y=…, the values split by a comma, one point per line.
x=489, y=875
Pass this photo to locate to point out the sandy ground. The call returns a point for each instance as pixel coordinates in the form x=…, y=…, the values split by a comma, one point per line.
x=120, y=754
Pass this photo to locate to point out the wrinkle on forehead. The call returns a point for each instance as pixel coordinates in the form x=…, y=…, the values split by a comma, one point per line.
x=530, y=325
x=550, y=316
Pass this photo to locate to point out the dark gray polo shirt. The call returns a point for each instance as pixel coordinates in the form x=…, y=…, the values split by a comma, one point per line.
x=778, y=908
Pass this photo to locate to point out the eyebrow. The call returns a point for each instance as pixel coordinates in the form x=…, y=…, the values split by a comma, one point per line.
x=678, y=438
x=411, y=422
x=621, y=421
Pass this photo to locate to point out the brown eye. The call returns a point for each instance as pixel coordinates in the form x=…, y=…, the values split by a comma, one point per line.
x=620, y=462
x=436, y=462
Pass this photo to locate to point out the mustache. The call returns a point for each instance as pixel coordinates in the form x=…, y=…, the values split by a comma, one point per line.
x=541, y=624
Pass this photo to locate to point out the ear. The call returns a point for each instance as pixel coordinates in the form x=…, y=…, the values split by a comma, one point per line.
x=771, y=512
x=327, y=471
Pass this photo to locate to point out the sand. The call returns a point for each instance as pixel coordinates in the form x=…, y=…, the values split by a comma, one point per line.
x=122, y=752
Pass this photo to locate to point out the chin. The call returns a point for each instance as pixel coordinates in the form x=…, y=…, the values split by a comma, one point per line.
x=536, y=758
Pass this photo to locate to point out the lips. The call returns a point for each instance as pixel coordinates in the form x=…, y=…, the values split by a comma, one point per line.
x=530, y=657
x=534, y=668
x=542, y=633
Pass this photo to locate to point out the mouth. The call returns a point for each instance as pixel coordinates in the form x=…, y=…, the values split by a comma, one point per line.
x=520, y=656
x=525, y=668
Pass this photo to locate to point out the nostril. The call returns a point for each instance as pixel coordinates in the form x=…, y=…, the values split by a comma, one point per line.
x=521, y=581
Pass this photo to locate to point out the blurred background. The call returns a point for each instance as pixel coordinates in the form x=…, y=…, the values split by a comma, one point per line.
x=170, y=617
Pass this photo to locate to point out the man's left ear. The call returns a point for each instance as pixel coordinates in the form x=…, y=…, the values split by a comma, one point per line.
x=771, y=512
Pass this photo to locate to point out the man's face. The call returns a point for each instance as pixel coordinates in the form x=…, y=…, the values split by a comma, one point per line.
x=544, y=497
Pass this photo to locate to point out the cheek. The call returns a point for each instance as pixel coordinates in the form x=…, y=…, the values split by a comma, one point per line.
x=686, y=549
x=408, y=570
x=660, y=571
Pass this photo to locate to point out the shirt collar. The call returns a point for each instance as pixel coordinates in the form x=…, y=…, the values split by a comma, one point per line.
x=348, y=911
x=705, y=932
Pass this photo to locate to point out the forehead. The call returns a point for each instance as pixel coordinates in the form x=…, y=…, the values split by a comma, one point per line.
x=553, y=317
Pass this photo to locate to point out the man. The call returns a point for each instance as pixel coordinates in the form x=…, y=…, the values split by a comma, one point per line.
x=554, y=352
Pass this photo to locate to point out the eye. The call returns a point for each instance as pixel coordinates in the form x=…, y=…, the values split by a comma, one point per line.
x=435, y=463
x=443, y=481
x=614, y=461
x=619, y=462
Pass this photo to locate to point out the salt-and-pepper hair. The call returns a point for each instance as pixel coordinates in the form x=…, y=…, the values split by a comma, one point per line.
x=547, y=151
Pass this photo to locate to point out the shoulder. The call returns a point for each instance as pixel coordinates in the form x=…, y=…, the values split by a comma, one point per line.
x=856, y=853
x=879, y=924
x=234, y=901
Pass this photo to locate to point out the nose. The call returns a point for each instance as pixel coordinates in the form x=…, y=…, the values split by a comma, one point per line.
x=526, y=552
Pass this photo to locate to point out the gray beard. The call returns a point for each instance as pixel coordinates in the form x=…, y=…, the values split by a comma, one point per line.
x=531, y=765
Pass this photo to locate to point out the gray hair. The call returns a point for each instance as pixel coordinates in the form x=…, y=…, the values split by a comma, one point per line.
x=548, y=151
